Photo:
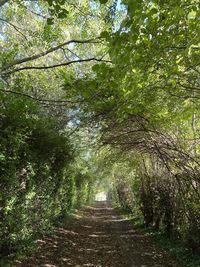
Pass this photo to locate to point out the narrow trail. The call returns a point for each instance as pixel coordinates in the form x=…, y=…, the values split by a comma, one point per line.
x=98, y=237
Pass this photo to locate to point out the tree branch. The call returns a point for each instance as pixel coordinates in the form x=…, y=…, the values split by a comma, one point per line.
x=37, y=99
x=14, y=26
x=55, y=66
x=33, y=12
x=42, y=54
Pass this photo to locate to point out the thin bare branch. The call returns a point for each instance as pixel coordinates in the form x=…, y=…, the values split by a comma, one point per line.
x=35, y=98
x=42, y=54
x=18, y=29
x=55, y=66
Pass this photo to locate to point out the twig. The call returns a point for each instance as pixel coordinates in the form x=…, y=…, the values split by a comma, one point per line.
x=55, y=66
x=35, y=98
x=42, y=54
x=14, y=26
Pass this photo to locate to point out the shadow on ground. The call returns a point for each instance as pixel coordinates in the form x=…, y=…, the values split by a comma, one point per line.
x=97, y=236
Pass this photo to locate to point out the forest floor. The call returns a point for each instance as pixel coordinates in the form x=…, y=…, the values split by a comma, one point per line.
x=97, y=236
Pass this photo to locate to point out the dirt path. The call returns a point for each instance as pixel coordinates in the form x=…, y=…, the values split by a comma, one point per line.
x=97, y=237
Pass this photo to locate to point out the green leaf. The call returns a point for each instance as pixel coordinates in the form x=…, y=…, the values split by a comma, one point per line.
x=2, y=157
x=103, y=1
x=50, y=21
x=95, y=67
x=105, y=35
x=50, y=2
x=63, y=14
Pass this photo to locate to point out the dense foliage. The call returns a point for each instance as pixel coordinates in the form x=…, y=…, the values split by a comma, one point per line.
x=147, y=104
x=38, y=180
x=79, y=75
x=44, y=171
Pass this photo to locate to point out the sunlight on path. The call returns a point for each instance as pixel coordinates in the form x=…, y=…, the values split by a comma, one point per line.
x=98, y=237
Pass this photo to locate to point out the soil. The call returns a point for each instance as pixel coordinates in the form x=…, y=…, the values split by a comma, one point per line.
x=98, y=236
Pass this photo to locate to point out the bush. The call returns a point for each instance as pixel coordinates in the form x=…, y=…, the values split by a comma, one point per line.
x=36, y=185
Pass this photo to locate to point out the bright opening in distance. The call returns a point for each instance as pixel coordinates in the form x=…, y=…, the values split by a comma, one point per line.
x=101, y=196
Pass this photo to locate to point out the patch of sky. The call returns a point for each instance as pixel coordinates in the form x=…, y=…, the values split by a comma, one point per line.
x=74, y=120
x=121, y=11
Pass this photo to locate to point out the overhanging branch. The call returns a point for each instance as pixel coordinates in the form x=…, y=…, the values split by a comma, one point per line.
x=42, y=54
x=18, y=29
x=55, y=66
x=62, y=102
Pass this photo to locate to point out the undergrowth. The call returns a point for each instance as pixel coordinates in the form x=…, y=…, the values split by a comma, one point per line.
x=177, y=248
